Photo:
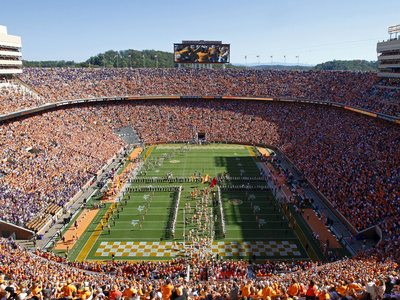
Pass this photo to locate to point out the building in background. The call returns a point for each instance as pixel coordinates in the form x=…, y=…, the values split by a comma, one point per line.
x=10, y=53
x=389, y=54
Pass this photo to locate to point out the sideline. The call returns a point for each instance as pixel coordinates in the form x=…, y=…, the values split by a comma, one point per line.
x=99, y=228
x=318, y=227
x=313, y=221
x=83, y=221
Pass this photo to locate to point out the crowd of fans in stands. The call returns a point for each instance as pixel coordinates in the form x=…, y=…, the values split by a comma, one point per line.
x=347, y=156
x=352, y=159
x=13, y=98
x=359, y=89
x=42, y=275
x=48, y=158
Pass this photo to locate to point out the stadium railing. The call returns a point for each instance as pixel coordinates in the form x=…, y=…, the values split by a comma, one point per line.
x=49, y=106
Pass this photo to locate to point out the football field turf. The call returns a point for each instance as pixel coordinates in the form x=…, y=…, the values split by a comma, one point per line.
x=146, y=225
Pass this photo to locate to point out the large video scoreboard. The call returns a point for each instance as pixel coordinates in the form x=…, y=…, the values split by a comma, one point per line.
x=201, y=52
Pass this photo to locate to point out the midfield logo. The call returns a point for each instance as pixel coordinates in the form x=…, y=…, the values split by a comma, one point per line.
x=235, y=201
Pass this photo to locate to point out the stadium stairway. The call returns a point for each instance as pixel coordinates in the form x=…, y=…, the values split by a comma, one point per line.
x=128, y=134
x=28, y=89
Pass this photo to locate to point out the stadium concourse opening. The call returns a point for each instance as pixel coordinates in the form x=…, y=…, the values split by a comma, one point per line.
x=201, y=136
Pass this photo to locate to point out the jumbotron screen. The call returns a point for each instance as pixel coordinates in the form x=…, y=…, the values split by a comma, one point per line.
x=201, y=53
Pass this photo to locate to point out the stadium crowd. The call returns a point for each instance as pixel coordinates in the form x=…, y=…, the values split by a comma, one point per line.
x=352, y=159
x=43, y=275
x=359, y=89
x=13, y=98
x=348, y=158
x=48, y=158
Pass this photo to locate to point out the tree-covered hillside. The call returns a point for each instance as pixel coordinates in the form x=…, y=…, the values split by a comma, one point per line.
x=114, y=59
x=348, y=65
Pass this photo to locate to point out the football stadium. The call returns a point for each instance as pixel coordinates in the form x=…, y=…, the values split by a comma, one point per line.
x=201, y=183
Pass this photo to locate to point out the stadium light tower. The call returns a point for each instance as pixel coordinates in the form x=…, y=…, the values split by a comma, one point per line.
x=395, y=29
x=116, y=56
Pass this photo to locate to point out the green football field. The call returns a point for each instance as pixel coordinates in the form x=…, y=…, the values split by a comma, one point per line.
x=239, y=219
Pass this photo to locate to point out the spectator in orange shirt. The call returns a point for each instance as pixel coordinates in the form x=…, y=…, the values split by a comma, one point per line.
x=294, y=288
x=68, y=289
x=311, y=291
x=114, y=293
x=166, y=289
x=245, y=289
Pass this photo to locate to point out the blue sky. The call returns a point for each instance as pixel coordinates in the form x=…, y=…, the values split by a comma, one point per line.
x=316, y=31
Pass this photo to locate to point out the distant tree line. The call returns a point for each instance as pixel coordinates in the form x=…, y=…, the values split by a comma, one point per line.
x=334, y=65
x=117, y=59
x=153, y=58
x=114, y=59
x=49, y=64
x=348, y=65
x=282, y=67
x=131, y=59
